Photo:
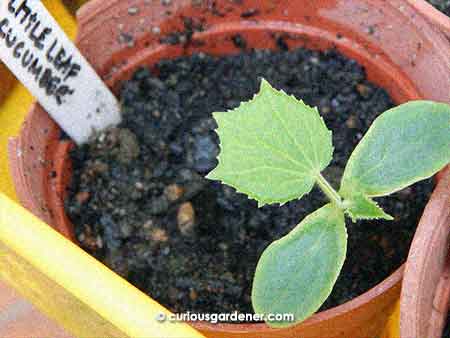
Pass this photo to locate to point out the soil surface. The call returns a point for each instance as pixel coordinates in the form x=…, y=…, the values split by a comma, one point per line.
x=442, y=5
x=140, y=202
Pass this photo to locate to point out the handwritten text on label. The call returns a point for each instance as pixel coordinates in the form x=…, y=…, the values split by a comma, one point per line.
x=52, y=80
x=38, y=52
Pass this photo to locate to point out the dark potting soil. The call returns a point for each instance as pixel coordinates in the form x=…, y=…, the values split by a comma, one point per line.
x=140, y=202
x=442, y=5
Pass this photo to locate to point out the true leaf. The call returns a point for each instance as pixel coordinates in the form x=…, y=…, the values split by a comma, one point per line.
x=363, y=207
x=404, y=145
x=296, y=273
x=272, y=147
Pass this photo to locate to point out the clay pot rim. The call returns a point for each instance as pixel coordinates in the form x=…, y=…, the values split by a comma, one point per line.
x=432, y=14
x=428, y=259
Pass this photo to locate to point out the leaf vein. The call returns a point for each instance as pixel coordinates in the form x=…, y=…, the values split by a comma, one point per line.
x=277, y=115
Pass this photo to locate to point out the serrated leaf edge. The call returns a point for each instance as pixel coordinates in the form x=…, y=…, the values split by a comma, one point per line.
x=264, y=86
x=355, y=218
x=261, y=201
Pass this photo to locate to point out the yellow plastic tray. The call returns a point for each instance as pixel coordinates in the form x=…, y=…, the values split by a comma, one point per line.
x=65, y=283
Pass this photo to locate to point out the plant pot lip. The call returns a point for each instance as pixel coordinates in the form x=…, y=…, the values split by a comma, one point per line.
x=432, y=14
x=427, y=269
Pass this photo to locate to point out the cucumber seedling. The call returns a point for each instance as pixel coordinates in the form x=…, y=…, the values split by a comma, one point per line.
x=274, y=148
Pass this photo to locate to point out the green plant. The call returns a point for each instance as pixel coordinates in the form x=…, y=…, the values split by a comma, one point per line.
x=274, y=148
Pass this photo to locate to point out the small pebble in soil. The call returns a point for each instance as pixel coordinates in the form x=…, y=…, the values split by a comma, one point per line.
x=140, y=203
x=159, y=235
x=186, y=219
x=82, y=197
x=173, y=192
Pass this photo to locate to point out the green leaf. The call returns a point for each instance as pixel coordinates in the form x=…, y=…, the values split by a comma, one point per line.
x=296, y=273
x=363, y=207
x=404, y=145
x=272, y=147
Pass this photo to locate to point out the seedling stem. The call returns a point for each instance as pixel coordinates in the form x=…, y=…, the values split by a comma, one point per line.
x=329, y=191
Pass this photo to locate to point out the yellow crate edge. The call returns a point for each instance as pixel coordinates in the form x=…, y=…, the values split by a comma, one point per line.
x=64, y=280
x=392, y=329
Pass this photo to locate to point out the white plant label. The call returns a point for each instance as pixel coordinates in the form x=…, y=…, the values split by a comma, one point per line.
x=37, y=51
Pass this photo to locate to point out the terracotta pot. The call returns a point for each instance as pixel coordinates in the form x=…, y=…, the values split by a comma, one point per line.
x=437, y=18
x=399, y=49
x=425, y=297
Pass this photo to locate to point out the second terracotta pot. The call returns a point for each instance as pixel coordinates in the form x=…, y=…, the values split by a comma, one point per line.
x=425, y=297
x=400, y=50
